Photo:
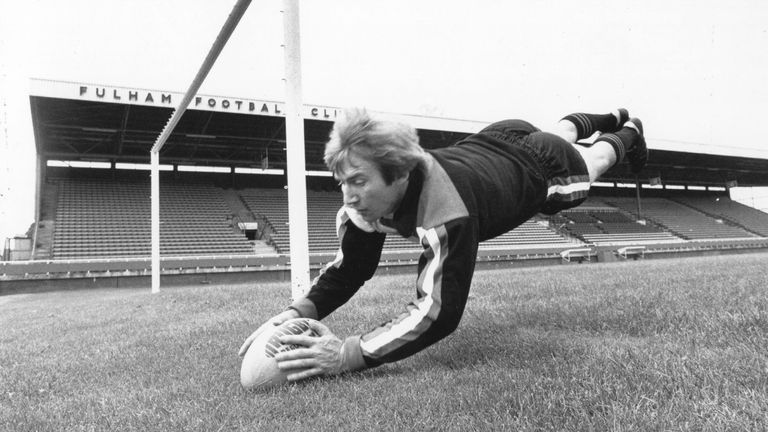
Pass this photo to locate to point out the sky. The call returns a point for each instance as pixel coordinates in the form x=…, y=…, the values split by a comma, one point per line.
x=694, y=71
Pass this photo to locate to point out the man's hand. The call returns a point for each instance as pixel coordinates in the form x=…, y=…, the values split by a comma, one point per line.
x=321, y=354
x=272, y=322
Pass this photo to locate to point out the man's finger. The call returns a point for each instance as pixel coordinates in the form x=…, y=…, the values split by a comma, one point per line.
x=251, y=338
x=244, y=347
x=302, y=340
x=247, y=343
x=309, y=373
x=319, y=328
x=295, y=354
x=303, y=363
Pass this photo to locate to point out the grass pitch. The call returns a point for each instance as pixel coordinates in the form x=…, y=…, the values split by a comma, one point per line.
x=679, y=344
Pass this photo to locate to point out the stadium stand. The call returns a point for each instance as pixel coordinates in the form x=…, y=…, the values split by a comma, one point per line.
x=535, y=231
x=95, y=222
x=98, y=218
x=322, y=207
x=599, y=223
x=723, y=208
x=99, y=226
x=272, y=206
x=102, y=218
x=45, y=228
x=685, y=222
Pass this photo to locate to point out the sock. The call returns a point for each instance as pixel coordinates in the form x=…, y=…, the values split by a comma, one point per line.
x=588, y=124
x=621, y=141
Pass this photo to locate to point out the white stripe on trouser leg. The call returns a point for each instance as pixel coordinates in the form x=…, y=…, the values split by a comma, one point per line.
x=418, y=314
x=568, y=189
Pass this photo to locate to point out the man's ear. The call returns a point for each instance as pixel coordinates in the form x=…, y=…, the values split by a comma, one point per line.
x=403, y=178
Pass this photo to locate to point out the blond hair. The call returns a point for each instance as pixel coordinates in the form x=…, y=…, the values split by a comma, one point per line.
x=392, y=146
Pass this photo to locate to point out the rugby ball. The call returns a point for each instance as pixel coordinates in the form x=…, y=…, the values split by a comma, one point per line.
x=259, y=369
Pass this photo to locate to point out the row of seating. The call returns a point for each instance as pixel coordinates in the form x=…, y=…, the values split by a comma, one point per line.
x=683, y=221
x=606, y=224
x=322, y=208
x=101, y=219
x=111, y=219
x=732, y=212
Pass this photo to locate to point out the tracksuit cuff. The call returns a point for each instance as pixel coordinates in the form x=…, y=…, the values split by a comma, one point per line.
x=352, y=355
x=305, y=308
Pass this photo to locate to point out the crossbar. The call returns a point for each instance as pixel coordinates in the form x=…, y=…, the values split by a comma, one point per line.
x=218, y=45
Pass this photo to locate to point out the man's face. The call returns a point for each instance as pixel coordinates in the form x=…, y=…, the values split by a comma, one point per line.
x=366, y=191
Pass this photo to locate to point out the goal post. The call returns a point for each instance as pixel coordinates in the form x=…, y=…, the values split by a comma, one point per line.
x=154, y=160
x=294, y=131
x=218, y=45
x=294, y=146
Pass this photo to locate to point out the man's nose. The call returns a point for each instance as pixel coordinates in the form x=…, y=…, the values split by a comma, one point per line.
x=350, y=198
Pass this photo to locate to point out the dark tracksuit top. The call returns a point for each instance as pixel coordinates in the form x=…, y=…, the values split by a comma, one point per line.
x=477, y=189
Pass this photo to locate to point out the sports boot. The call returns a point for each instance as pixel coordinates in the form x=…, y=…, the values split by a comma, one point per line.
x=622, y=116
x=637, y=151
